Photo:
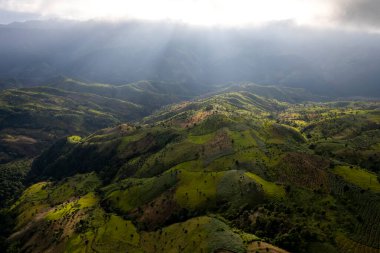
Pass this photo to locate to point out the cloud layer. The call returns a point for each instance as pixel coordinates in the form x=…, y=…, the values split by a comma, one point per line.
x=346, y=13
x=358, y=12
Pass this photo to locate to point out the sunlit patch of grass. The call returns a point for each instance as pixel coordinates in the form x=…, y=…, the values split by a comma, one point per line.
x=236, y=189
x=221, y=164
x=132, y=192
x=80, y=243
x=39, y=197
x=104, y=233
x=116, y=234
x=197, y=190
x=360, y=177
x=171, y=155
x=242, y=140
x=271, y=189
x=96, y=112
x=34, y=193
x=201, y=234
x=300, y=123
x=30, y=203
x=77, y=185
x=74, y=139
x=129, y=198
x=29, y=213
x=280, y=134
x=195, y=165
x=201, y=139
x=68, y=208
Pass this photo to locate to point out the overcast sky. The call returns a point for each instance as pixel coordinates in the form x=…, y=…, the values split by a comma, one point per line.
x=360, y=14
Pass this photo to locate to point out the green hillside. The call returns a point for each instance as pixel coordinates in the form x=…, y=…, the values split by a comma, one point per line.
x=286, y=94
x=232, y=172
x=151, y=94
x=32, y=119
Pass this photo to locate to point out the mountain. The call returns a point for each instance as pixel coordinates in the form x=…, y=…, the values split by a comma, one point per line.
x=328, y=62
x=280, y=93
x=33, y=118
x=233, y=171
x=150, y=94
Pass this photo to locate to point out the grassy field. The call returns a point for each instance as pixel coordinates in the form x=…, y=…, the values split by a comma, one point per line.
x=359, y=177
x=69, y=208
x=74, y=139
x=201, y=234
x=271, y=189
x=33, y=117
x=197, y=190
x=132, y=193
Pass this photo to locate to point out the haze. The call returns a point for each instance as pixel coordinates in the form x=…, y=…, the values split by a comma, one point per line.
x=321, y=13
x=319, y=45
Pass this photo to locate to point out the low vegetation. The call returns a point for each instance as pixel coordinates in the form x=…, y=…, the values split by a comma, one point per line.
x=233, y=172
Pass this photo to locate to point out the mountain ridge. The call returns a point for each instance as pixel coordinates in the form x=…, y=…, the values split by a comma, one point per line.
x=321, y=61
x=234, y=171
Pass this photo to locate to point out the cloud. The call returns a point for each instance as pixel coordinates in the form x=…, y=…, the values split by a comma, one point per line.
x=233, y=12
x=324, y=13
x=11, y=16
x=358, y=12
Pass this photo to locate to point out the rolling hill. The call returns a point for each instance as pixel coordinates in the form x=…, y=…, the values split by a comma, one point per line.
x=31, y=119
x=236, y=171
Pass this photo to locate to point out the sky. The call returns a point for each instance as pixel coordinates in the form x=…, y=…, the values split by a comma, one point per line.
x=356, y=14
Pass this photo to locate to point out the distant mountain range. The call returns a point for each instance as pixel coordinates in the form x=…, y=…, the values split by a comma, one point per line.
x=326, y=62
